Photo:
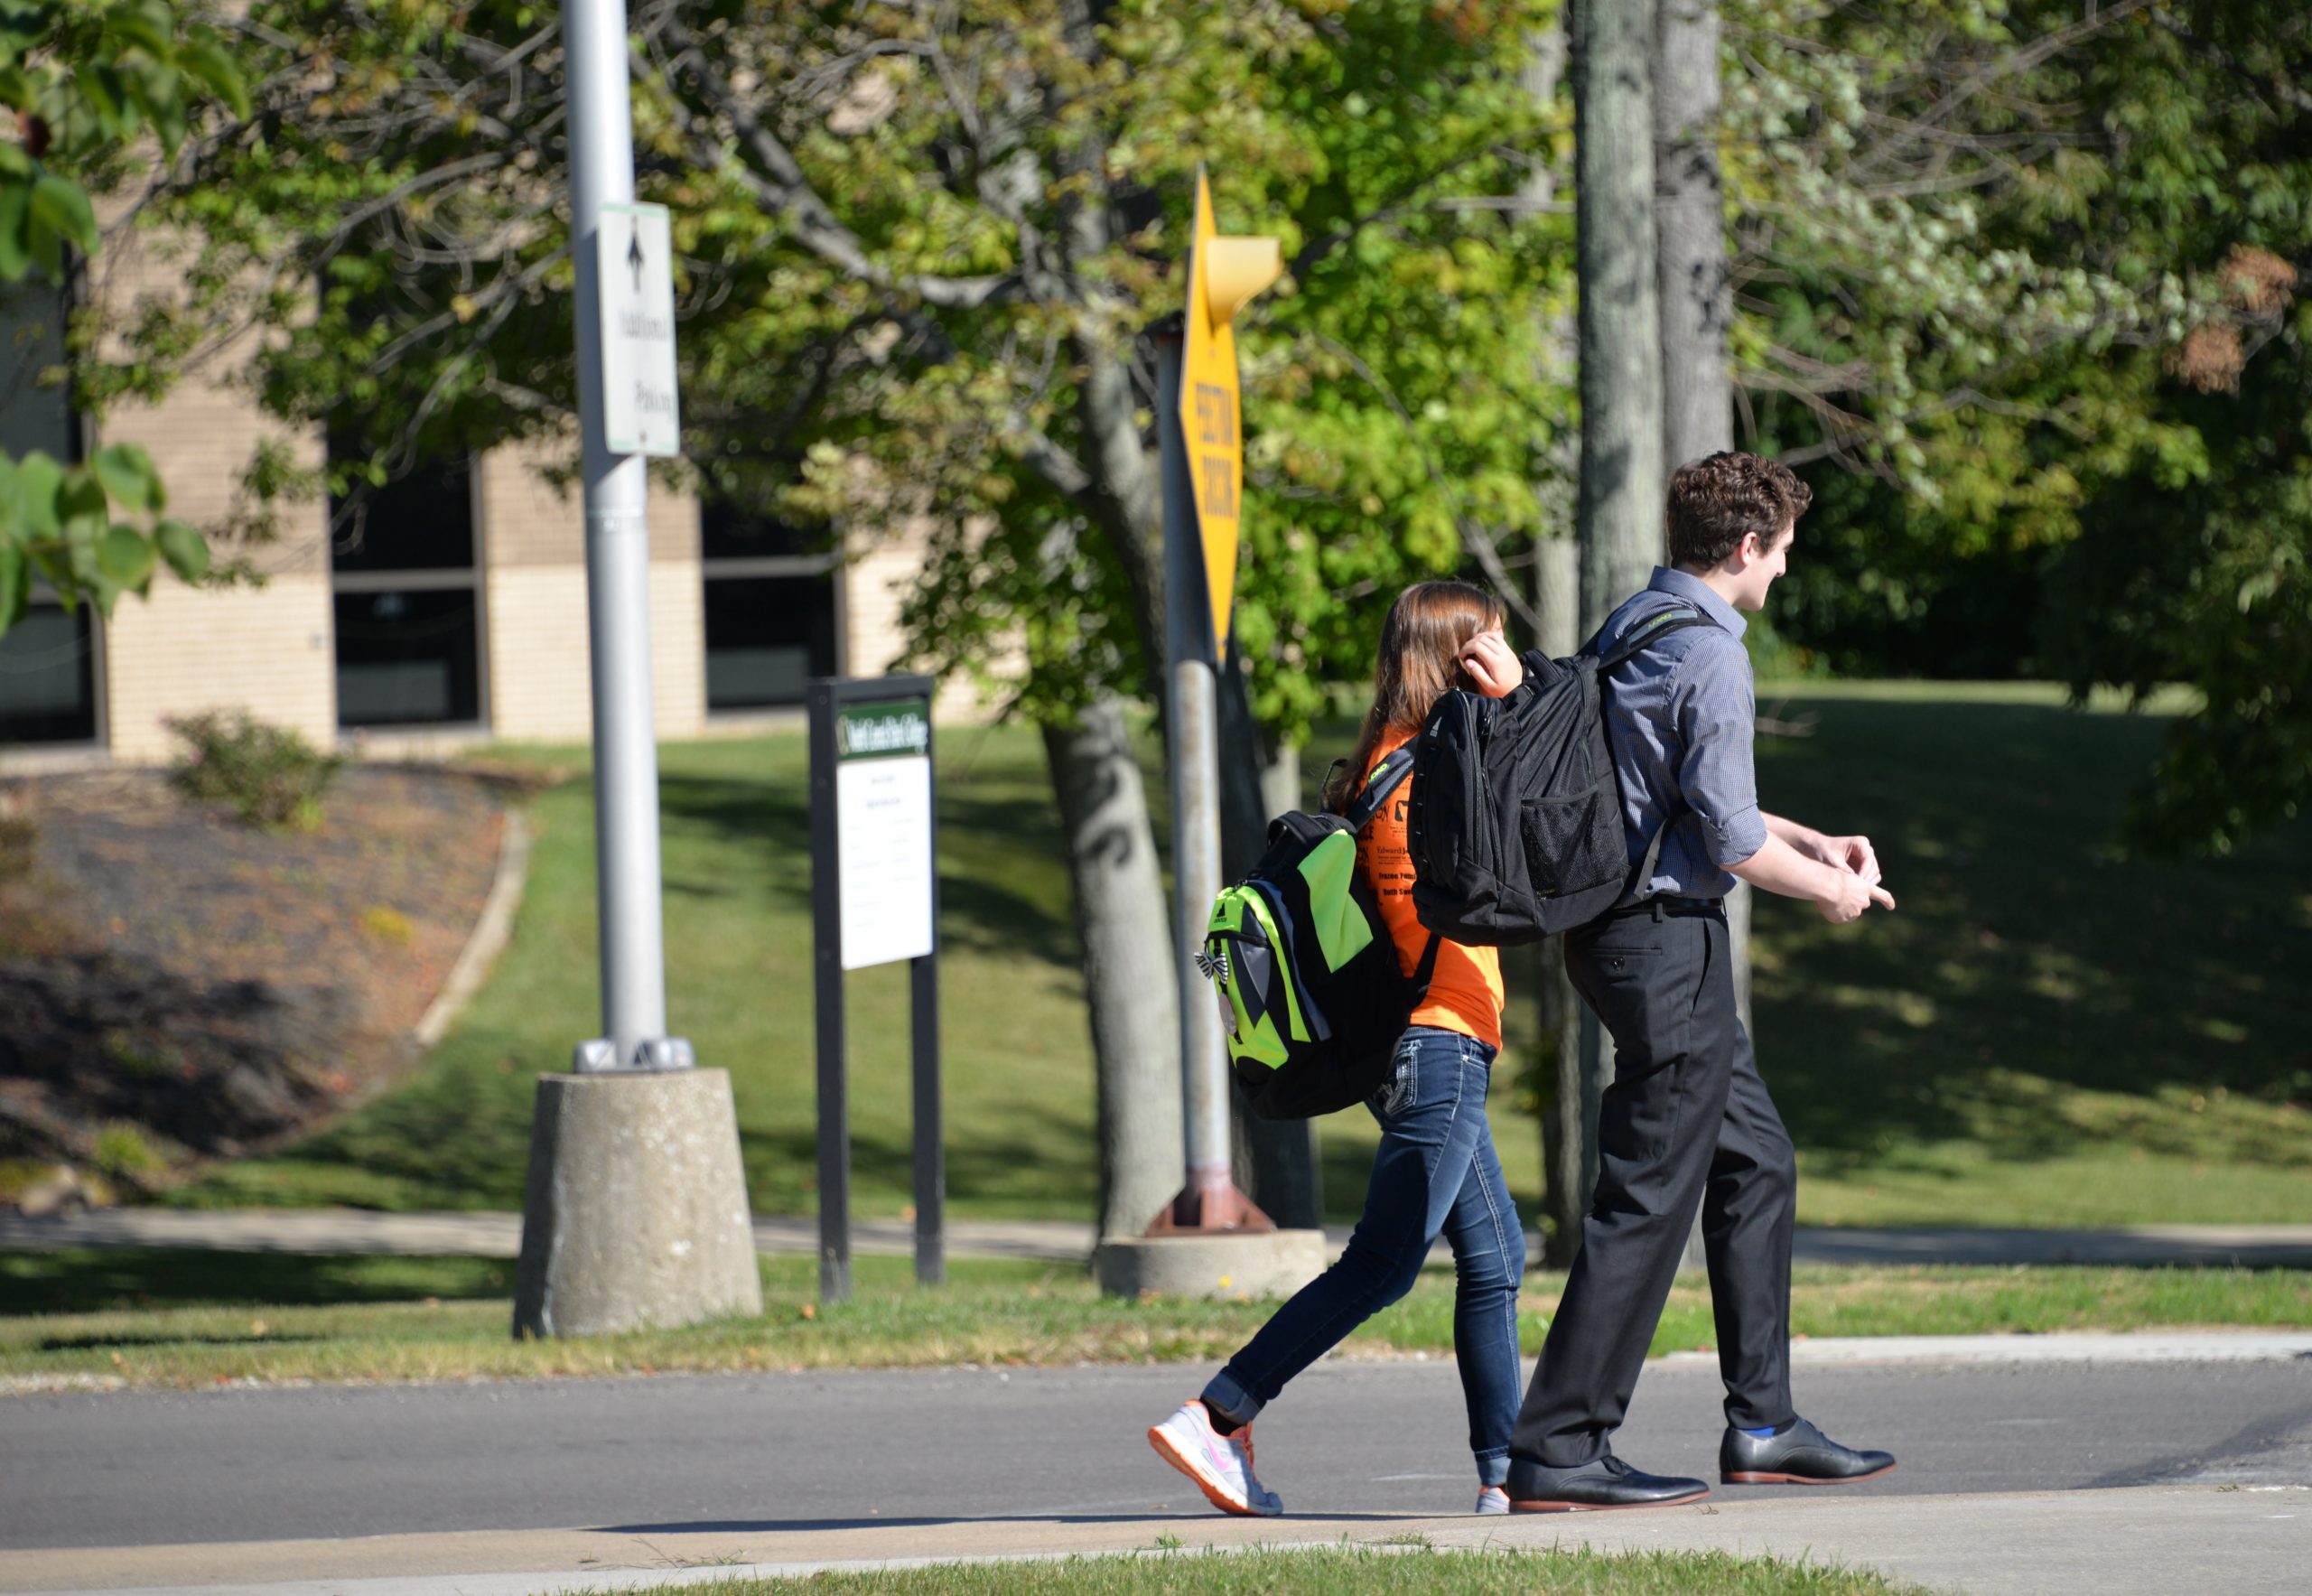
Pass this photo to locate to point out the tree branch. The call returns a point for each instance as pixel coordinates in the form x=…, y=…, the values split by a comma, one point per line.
x=783, y=190
x=2287, y=94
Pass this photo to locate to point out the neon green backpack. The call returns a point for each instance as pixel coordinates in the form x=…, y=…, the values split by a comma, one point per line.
x=1310, y=995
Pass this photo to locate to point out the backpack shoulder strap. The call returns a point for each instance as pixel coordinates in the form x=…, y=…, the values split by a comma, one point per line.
x=1387, y=777
x=1648, y=632
x=1642, y=872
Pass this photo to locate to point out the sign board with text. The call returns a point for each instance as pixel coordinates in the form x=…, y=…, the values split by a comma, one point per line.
x=1223, y=272
x=882, y=800
x=635, y=267
x=1211, y=417
x=875, y=901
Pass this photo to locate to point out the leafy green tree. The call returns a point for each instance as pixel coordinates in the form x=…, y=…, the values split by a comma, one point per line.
x=94, y=88
x=920, y=246
x=2021, y=266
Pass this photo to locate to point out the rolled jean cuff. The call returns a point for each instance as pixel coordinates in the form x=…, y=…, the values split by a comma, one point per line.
x=1224, y=1394
x=1493, y=1466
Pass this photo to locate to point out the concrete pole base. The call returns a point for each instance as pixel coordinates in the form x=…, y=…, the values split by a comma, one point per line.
x=1232, y=1267
x=636, y=1213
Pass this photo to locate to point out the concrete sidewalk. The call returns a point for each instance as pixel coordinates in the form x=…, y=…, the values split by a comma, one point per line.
x=499, y=1235
x=2090, y=1543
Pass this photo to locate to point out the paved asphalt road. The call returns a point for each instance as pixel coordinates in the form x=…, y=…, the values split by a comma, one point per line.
x=672, y=1454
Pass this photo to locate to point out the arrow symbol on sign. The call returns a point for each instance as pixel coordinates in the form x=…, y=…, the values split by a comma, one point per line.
x=634, y=257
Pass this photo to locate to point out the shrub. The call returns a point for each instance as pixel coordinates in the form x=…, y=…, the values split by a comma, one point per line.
x=270, y=774
x=123, y=1153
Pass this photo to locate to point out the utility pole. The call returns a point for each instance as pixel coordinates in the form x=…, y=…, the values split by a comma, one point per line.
x=1697, y=305
x=1210, y=1240
x=618, y=565
x=1617, y=511
x=1209, y=1199
x=635, y=1210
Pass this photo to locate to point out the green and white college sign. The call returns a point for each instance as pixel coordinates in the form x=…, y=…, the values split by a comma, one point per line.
x=882, y=791
x=896, y=728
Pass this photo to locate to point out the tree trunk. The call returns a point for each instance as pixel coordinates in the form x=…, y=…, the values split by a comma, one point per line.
x=1564, y=1131
x=1618, y=507
x=1697, y=306
x=1697, y=301
x=1280, y=1155
x=1123, y=920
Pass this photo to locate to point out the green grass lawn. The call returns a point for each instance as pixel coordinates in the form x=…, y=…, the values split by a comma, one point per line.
x=736, y=859
x=2046, y=1031
x=1403, y=1566
x=183, y=1319
x=2046, y=1034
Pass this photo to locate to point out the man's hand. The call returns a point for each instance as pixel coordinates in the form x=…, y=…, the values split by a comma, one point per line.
x=1852, y=853
x=1851, y=893
x=1492, y=666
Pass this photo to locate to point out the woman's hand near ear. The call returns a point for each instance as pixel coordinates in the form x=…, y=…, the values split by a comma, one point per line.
x=1491, y=665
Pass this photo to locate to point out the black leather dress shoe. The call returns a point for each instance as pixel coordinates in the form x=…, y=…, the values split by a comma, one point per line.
x=1800, y=1455
x=1607, y=1482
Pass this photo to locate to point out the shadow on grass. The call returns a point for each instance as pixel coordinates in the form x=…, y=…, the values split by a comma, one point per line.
x=103, y=1343
x=781, y=1164
x=2028, y=964
x=988, y=841
x=95, y=1281
x=451, y=1138
x=2028, y=953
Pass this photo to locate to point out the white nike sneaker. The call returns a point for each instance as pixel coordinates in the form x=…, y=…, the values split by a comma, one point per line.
x=1221, y=1465
x=1492, y=1499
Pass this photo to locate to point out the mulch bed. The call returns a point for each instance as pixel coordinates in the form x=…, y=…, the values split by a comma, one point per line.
x=178, y=985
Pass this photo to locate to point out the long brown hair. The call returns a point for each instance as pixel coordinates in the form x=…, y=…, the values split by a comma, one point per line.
x=1418, y=661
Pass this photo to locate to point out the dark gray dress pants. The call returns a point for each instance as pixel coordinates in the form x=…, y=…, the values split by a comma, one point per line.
x=1687, y=1120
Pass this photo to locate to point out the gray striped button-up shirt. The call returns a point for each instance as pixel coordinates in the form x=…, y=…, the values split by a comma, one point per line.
x=1679, y=719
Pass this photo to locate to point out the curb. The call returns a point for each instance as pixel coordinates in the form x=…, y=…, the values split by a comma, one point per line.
x=2073, y=1347
x=485, y=1234
x=2089, y=1543
x=488, y=938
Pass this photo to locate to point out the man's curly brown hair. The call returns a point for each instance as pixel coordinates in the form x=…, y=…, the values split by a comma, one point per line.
x=1716, y=501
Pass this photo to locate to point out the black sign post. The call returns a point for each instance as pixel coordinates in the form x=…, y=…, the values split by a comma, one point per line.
x=875, y=900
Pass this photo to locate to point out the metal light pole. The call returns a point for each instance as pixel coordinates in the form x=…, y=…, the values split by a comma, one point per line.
x=635, y=1212
x=618, y=569
x=1210, y=1200
x=1210, y=1239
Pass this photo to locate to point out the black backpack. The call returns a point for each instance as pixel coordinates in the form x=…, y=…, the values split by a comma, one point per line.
x=1515, y=824
x=1312, y=998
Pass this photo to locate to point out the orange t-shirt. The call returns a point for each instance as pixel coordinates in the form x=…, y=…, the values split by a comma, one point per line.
x=1465, y=993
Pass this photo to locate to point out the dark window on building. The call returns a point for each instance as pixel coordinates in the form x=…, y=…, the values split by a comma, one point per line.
x=48, y=678
x=765, y=637
x=420, y=522
x=48, y=660
x=35, y=410
x=771, y=608
x=409, y=600
x=726, y=531
x=407, y=657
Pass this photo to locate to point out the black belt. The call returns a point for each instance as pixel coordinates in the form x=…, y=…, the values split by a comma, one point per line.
x=1664, y=907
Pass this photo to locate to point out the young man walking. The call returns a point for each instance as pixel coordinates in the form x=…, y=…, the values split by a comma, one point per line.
x=1687, y=1119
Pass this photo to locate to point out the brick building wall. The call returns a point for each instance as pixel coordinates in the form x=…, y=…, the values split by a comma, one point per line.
x=267, y=649
x=270, y=647
x=878, y=577
x=534, y=564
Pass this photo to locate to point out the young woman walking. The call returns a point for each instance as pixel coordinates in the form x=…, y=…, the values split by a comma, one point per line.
x=1436, y=1171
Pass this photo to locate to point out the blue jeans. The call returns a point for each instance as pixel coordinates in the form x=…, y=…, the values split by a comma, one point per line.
x=1435, y=1172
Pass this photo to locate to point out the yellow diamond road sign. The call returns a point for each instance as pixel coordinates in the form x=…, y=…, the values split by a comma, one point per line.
x=1223, y=273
